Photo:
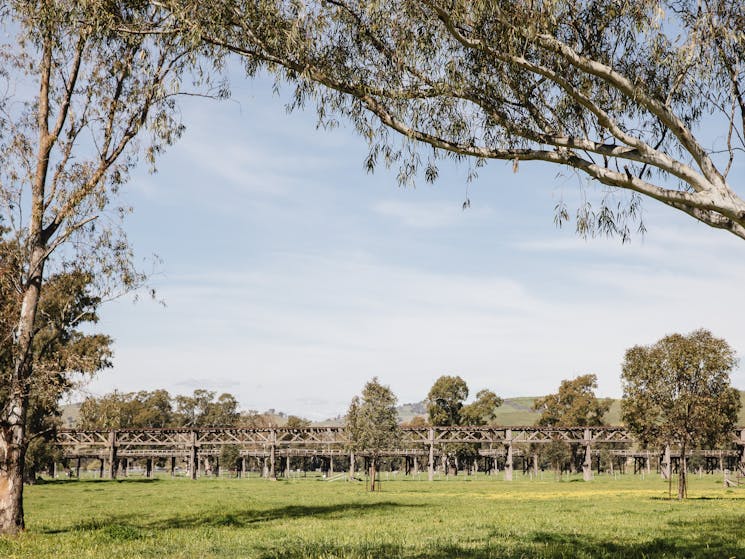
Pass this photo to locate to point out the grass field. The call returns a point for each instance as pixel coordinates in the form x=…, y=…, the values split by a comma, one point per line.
x=469, y=518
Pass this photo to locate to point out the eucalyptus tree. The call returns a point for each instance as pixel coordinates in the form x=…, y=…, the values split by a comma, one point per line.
x=63, y=357
x=643, y=98
x=76, y=93
x=372, y=423
x=205, y=409
x=127, y=410
x=677, y=391
x=574, y=405
x=446, y=407
x=445, y=400
x=482, y=410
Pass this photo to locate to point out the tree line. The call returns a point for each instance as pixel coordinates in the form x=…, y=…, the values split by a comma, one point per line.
x=676, y=392
x=159, y=409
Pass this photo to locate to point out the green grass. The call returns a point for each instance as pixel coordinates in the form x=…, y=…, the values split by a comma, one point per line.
x=469, y=518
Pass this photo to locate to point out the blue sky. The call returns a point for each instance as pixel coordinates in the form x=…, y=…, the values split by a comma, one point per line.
x=291, y=276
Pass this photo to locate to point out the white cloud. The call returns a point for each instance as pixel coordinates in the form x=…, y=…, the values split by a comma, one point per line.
x=314, y=330
x=428, y=215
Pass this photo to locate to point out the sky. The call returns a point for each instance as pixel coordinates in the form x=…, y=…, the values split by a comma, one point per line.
x=290, y=276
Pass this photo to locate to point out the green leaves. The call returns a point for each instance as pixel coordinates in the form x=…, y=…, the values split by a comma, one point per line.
x=372, y=419
x=678, y=391
x=445, y=400
x=612, y=90
x=574, y=405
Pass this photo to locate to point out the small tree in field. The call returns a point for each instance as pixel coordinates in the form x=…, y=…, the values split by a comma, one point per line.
x=372, y=423
x=677, y=391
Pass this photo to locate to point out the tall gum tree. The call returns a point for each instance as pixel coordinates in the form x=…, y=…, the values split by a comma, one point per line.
x=645, y=98
x=78, y=94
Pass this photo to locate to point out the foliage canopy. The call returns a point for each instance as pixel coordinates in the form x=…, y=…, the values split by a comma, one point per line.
x=574, y=405
x=616, y=91
x=677, y=391
x=372, y=423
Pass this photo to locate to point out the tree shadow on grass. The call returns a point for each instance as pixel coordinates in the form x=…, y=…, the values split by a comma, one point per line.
x=247, y=517
x=234, y=518
x=94, y=481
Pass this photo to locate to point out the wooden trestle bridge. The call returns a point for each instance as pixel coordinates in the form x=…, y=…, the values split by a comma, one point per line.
x=273, y=444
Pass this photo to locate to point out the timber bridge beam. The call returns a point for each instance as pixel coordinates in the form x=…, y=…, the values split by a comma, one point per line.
x=109, y=446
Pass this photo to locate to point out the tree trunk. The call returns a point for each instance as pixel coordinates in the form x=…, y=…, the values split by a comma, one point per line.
x=13, y=421
x=373, y=473
x=682, y=471
x=13, y=449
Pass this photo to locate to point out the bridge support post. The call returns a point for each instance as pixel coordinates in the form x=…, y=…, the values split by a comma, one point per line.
x=351, y=465
x=77, y=469
x=431, y=468
x=112, y=454
x=149, y=468
x=173, y=466
x=272, y=456
x=535, y=464
x=666, y=463
x=508, y=464
x=587, y=462
x=741, y=448
x=193, y=456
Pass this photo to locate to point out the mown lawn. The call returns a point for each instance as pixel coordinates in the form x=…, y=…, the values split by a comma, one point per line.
x=476, y=518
